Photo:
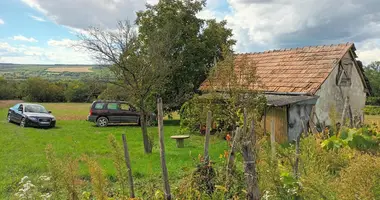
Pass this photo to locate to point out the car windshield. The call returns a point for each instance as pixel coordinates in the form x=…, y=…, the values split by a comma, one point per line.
x=35, y=109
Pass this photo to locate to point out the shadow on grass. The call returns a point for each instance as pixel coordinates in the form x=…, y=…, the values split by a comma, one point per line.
x=171, y=122
x=166, y=123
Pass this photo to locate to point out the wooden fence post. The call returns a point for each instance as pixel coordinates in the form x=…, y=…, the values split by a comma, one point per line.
x=231, y=156
x=162, y=150
x=273, y=139
x=128, y=163
x=297, y=159
x=342, y=120
x=250, y=172
x=207, y=137
x=245, y=118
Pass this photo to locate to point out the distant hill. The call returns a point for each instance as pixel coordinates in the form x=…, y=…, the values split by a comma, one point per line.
x=52, y=72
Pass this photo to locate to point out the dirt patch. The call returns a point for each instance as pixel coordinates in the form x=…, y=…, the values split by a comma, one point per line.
x=70, y=69
x=8, y=103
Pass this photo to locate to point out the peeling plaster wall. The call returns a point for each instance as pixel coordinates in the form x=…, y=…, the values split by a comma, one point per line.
x=332, y=96
x=296, y=115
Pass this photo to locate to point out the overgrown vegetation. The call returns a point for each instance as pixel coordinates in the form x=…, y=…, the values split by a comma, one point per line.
x=226, y=93
x=341, y=173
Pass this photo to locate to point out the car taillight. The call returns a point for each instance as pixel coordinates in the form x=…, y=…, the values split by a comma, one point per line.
x=90, y=112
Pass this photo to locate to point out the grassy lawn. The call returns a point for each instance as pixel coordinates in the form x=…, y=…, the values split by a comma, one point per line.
x=22, y=151
x=370, y=119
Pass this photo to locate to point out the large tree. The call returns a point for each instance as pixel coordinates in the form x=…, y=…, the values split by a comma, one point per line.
x=196, y=44
x=140, y=73
x=372, y=72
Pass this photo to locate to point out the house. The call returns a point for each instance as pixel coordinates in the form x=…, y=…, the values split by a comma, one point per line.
x=304, y=86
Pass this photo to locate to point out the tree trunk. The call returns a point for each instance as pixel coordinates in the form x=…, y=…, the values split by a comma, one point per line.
x=251, y=177
x=165, y=175
x=144, y=130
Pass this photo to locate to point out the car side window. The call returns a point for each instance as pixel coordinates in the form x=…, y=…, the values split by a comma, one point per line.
x=99, y=106
x=20, y=108
x=112, y=106
x=125, y=106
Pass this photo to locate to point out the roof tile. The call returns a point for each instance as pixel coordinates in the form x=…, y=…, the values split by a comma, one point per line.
x=291, y=70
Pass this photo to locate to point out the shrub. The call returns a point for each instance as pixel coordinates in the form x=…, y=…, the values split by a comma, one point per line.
x=372, y=110
x=364, y=139
x=374, y=101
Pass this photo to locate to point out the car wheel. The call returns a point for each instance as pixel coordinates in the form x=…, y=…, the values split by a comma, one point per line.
x=138, y=122
x=23, y=122
x=102, y=122
x=9, y=118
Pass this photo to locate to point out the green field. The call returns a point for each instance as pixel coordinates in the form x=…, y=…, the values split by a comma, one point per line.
x=22, y=151
x=52, y=72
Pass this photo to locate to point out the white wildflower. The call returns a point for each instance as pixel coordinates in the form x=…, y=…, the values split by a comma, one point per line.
x=45, y=196
x=44, y=178
x=266, y=195
x=23, y=179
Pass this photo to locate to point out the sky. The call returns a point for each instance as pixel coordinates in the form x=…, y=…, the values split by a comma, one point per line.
x=45, y=31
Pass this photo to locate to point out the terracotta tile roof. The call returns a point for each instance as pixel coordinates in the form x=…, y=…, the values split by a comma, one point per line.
x=301, y=70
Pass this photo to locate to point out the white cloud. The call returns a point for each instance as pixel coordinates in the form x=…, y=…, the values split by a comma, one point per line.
x=84, y=13
x=23, y=38
x=56, y=53
x=34, y=4
x=40, y=19
x=369, y=51
x=2, y=21
x=62, y=43
x=257, y=24
x=271, y=24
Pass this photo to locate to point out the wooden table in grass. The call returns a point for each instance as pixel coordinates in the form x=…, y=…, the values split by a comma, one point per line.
x=180, y=139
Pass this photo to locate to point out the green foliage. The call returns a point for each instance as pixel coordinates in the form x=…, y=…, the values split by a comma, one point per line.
x=227, y=96
x=372, y=110
x=41, y=90
x=8, y=89
x=364, y=139
x=83, y=90
x=195, y=44
x=373, y=101
x=372, y=72
x=114, y=92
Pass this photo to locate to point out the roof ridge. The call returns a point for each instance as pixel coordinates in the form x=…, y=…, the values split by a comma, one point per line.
x=296, y=48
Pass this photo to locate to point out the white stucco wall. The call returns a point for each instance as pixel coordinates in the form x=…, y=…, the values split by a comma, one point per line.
x=333, y=96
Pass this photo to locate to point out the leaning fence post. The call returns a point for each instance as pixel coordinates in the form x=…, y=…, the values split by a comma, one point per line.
x=128, y=163
x=250, y=172
x=273, y=139
x=231, y=156
x=162, y=150
x=297, y=159
x=207, y=137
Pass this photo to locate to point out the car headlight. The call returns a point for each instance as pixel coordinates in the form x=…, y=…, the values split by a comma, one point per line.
x=53, y=119
x=33, y=118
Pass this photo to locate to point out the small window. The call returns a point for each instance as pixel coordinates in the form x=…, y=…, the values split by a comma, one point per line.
x=112, y=106
x=125, y=106
x=343, y=77
x=99, y=106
